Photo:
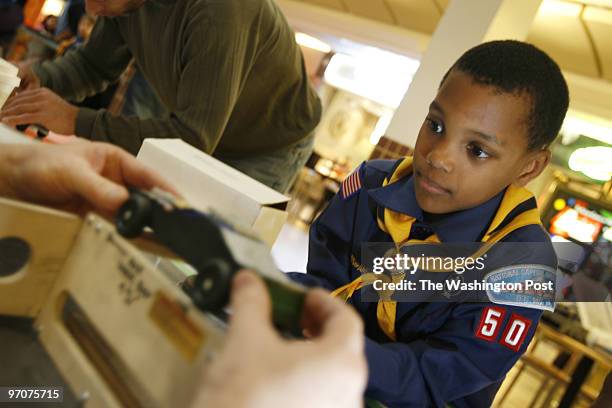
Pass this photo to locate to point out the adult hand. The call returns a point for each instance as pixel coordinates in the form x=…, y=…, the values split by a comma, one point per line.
x=76, y=176
x=29, y=79
x=42, y=107
x=258, y=368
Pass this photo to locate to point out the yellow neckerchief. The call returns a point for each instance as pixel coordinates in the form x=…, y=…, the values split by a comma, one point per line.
x=398, y=226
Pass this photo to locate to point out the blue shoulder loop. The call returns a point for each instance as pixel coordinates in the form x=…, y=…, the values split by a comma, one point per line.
x=375, y=171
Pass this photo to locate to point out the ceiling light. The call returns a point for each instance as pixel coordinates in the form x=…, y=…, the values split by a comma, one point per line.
x=384, y=79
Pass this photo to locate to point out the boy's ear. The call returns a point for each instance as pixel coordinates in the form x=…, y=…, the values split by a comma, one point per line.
x=535, y=163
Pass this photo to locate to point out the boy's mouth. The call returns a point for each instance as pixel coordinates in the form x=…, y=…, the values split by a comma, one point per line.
x=429, y=185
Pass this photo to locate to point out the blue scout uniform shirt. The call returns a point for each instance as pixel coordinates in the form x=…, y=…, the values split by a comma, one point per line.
x=440, y=355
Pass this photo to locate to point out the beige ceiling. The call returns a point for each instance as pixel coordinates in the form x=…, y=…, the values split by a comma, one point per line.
x=579, y=37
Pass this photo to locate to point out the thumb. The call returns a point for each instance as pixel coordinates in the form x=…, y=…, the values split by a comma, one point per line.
x=250, y=303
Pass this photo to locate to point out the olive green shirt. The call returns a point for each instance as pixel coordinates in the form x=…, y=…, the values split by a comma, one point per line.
x=229, y=71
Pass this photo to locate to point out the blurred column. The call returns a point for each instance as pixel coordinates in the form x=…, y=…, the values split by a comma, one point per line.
x=465, y=24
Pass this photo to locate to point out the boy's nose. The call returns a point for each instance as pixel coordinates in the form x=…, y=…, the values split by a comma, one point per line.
x=440, y=157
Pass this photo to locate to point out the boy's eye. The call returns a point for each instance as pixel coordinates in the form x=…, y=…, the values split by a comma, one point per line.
x=477, y=151
x=434, y=126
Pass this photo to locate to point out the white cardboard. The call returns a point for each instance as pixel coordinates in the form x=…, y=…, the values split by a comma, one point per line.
x=211, y=185
x=8, y=80
x=7, y=68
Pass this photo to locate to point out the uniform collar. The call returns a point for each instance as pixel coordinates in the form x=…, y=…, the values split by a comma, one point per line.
x=399, y=197
x=461, y=226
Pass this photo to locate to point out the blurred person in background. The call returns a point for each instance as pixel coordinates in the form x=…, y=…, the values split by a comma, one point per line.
x=84, y=28
x=49, y=24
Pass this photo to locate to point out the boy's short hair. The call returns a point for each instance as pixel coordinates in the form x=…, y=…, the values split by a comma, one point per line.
x=520, y=68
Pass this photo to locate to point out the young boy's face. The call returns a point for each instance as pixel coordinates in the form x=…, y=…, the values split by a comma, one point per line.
x=472, y=145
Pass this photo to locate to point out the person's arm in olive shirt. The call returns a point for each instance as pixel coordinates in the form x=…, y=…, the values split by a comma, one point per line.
x=210, y=79
x=88, y=69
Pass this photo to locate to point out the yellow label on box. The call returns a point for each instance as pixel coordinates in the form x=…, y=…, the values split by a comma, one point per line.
x=172, y=320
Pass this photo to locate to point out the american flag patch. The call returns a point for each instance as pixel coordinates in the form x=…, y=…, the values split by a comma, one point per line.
x=351, y=185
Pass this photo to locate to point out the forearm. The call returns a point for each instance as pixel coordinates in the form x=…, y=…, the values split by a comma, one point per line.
x=63, y=76
x=130, y=132
x=395, y=377
x=88, y=69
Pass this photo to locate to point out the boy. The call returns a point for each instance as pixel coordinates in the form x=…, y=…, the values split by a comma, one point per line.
x=486, y=135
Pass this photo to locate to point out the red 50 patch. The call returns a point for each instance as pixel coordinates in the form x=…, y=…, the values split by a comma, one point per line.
x=515, y=332
x=490, y=322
